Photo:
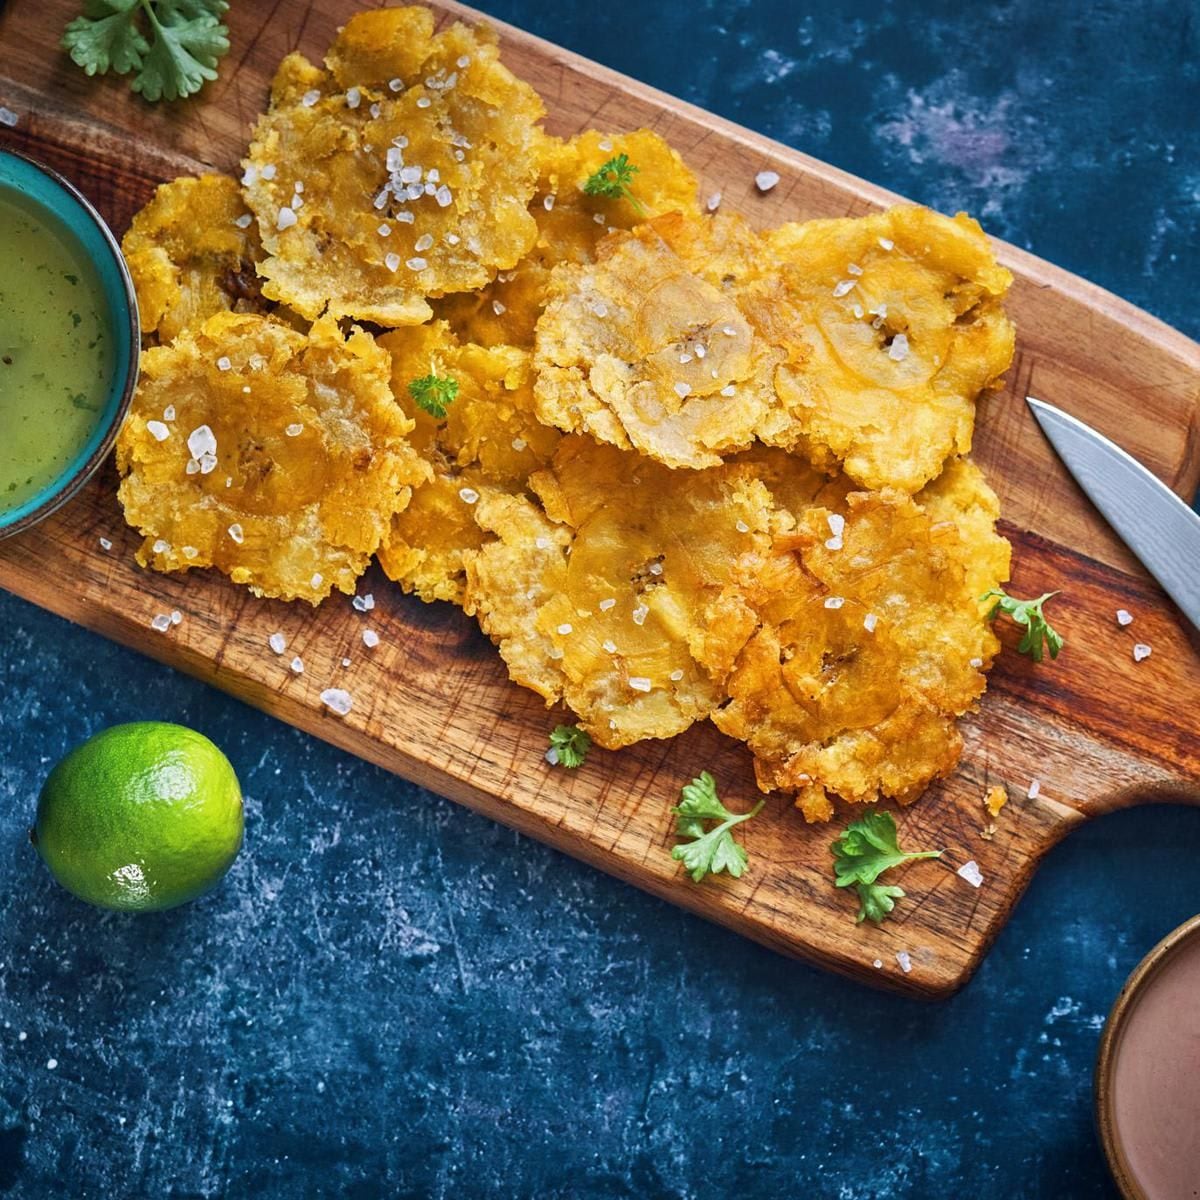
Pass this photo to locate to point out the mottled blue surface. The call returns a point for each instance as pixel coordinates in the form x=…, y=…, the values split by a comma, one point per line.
x=391, y=996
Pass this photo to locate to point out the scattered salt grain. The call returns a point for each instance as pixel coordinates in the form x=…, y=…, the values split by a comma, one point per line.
x=423, y=242
x=316, y=581
x=551, y=756
x=609, y=646
x=971, y=873
x=243, y=222
x=345, y=662
x=286, y=218
x=161, y=623
x=468, y=495
x=543, y=543
x=853, y=269
x=297, y=665
x=8, y=117
x=161, y=547
x=639, y=683
x=337, y=700
x=51, y=1063
x=392, y=262
x=498, y=308
x=766, y=180
x=395, y=85
x=443, y=196
x=886, y=243
x=353, y=97
x=869, y=622
x=310, y=98
x=424, y=102
x=606, y=604
x=844, y=286
x=157, y=430
x=1140, y=651
x=548, y=202
x=105, y=544
x=742, y=527
x=375, y=109
x=384, y=230
x=898, y=350
x=370, y=639
x=176, y=617
x=675, y=676
x=834, y=601
x=268, y=172
x=640, y=614
x=364, y=603
x=905, y=960
x=976, y=663
x=250, y=176
x=682, y=389
x=294, y=430
x=277, y=642
x=1124, y=617
x=223, y=363
x=235, y=532
x=463, y=61
x=729, y=390
x=519, y=444
x=416, y=264
x=1035, y=789
x=564, y=628
x=878, y=964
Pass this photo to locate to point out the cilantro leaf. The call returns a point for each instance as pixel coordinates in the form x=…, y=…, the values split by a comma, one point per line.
x=106, y=38
x=187, y=40
x=875, y=901
x=569, y=745
x=1039, y=634
x=614, y=179
x=434, y=393
x=866, y=849
x=716, y=850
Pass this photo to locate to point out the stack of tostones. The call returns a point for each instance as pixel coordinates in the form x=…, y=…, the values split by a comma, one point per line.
x=677, y=469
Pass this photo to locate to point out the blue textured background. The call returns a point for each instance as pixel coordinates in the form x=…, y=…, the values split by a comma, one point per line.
x=391, y=996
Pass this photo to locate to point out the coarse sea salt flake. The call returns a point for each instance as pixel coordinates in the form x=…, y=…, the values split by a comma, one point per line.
x=606, y=604
x=223, y=363
x=609, y=646
x=176, y=617
x=161, y=547
x=370, y=639
x=976, y=663
x=1124, y=617
x=158, y=431
x=286, y=218
x=675, y=676
x=169, y=413
x=294, y=430
x=8, y=117
x=316, y=581
x=898, y=350
x=201, y=441
x=551, y=756
x=742, y=527
x=297, y=665
x=392, y=262
x=310, y=98
x=423, y=242
x=565, y=628
x=268, y=172
x=843, y=287
x=498, y=308
x=1140, y=651
x=834, y=601
x=640, y=683
x=337, y=700
x=1035, y=789
x=886, y=243
x=640, y=614
x=105, y=544
x=713, y=202
x=468, y=495
x=905, y=960
x=235, y=532
x=353, y=97
x=161, y=623
x=384, y=230
x=519, y=444
x=243, y=222
x=853, y=269
x=416, y=264
x=682, y=389
x=766, y=180
x=277, y=642
x=869, y=622
x=971, y=873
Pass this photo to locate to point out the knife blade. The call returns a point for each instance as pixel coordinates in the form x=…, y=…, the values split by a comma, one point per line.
x=1150, y=519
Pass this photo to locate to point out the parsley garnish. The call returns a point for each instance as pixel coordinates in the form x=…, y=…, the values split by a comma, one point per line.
x=434, y=393
x=1039, y=634
x=614, y=180
x=569, y=745
x=864, y=851
x=715, y=850
x=187, y=38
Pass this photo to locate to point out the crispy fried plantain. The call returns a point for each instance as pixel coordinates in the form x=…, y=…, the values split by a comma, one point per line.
x=278, y=458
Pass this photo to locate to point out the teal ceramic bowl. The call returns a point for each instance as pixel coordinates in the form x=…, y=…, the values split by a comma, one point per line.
x=61, y=207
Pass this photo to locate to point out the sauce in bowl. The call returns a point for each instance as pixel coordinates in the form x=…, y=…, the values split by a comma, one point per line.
x=56, y=351
x=68, y=341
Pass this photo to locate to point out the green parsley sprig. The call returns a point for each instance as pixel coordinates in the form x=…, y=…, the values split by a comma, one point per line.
x=1039, y=634
x=862, y=853
x=569, y=746
x=434, y=393
x=187, y=39
x=716, y=850
x=615, y=180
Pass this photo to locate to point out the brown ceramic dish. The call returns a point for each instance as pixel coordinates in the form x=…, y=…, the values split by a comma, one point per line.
x=1150, y=969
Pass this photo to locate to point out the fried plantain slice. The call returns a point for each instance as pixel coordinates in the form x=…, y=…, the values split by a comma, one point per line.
x=620, y=594
x=896, y=325
x=871, y=641
x=278, y=458
x=487, y=444
x=570, y=222
x=403, y=171
x=191, y=252
x=647, y=348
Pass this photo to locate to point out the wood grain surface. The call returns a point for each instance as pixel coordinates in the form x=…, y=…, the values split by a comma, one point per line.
x=433, y=702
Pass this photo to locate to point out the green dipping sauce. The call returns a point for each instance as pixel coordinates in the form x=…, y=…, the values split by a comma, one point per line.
x=56, y=350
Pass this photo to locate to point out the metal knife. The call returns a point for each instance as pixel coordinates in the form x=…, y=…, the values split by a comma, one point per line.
x=1150, y=519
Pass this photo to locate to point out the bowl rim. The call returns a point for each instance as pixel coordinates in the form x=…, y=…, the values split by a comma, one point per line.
x=1106, y=1055
x=71, y=485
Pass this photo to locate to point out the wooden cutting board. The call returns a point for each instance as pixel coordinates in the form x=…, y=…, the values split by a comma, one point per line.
x=433, y=702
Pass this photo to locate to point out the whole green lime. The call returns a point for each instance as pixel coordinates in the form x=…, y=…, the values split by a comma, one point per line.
x=140, y=817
